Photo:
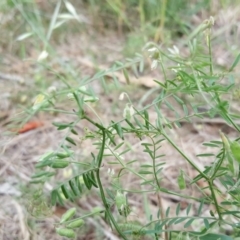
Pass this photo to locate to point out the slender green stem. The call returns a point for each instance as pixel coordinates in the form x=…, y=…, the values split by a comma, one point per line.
x=198, y=81
x=106, y=205
x=94, y=113
x=94, y=123
x=210, y=183
x=231, y=121
x=164, y=191
x=37, y=30
x=142, y=14
x=111, y=70
x=210, y=51
x=163, y=69
x=188, y=160
x=57, y=111
x=154, y=164
x=179, y=217
x=158, y=184
x=218, y=165
x=81, y=163
x=159, y=34
x=144, y=179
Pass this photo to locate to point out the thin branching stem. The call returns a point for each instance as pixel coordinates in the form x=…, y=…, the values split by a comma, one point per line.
x=103, y=197
x=209, y=42
x=158, y=184
x=210, y=183
x=185, y=157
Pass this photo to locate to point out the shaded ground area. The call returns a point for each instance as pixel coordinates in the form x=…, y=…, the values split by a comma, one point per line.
x=82, y=55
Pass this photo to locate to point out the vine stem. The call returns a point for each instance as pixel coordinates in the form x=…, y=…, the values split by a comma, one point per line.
x=159, y=187
x=210, y=183
x=183, y=155
x=106, y=205
x=159, y=34
x=231, y=121
x=210, y=51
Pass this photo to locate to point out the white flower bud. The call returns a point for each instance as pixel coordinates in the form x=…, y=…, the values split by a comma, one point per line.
x=174, y=51
x=52, y=89
x=153, y=49
x=70, y=96
x=154, y=64
x=128, y=112
x=43, y=55
x=121, y=97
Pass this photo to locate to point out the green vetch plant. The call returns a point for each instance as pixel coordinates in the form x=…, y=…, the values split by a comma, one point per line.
x=193, y=77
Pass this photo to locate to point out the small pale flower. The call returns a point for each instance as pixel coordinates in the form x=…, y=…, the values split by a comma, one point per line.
x=39, y=101
x=122, y=204
x=128, y=112
x=111, y=172
x=153, y=49
x=154, y=53
x=121, y=97
x=52, y=89
x=211, y=20
x=67, y=173
x=43, y=55
x=176, y=69
x=70, y=96
x=174, y=51
x=154, y=64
